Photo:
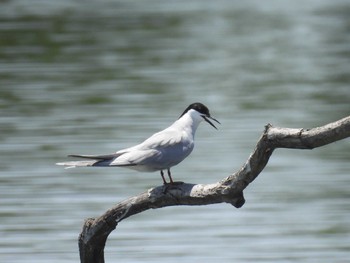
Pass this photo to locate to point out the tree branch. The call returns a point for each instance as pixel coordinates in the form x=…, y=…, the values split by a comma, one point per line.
x=230, y=190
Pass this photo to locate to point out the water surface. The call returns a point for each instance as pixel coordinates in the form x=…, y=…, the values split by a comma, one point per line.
x=98, y=76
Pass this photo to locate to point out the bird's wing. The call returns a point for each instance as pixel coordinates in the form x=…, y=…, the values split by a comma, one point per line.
x=97, y=157
x=94, y=160
x=162, y=148
x=152, y=151
x=162, y=139
x=136, y=157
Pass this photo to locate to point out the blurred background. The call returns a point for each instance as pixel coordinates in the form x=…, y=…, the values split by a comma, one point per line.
x=92, y=77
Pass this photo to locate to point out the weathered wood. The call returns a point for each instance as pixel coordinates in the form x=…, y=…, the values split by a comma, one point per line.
x=229, y=190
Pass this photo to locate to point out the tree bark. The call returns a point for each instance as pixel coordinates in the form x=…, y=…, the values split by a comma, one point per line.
x=95, y=231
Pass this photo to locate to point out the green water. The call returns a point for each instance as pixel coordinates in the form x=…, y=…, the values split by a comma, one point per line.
x=97, y=76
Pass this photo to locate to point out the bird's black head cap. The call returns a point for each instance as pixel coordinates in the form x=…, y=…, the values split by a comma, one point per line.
x=203, y=110
x=200, y=107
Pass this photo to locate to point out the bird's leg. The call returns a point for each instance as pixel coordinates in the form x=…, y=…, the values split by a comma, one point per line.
x=162, y=174
x=169, y=174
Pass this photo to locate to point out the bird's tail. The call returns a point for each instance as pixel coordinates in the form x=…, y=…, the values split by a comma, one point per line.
x=94, y=160
x=75, y=164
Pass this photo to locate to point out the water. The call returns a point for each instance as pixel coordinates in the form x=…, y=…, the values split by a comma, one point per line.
x=97, y=76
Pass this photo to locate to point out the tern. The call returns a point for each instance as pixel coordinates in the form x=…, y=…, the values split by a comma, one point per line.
x=159, y=152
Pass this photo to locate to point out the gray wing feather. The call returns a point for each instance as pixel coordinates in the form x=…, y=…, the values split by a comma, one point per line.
x=96, y=157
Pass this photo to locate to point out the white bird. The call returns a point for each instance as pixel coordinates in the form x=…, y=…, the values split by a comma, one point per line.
x=159, y=152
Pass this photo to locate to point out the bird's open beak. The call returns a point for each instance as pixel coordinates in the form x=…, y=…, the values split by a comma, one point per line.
x=206, y=118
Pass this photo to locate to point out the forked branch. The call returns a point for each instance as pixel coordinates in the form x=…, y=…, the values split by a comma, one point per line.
x=229, y=190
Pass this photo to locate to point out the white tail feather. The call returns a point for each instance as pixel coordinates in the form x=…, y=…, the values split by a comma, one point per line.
x=77, y=164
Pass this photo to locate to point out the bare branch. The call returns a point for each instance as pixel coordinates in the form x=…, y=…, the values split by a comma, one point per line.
x=309, y=138
x=230, y=190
